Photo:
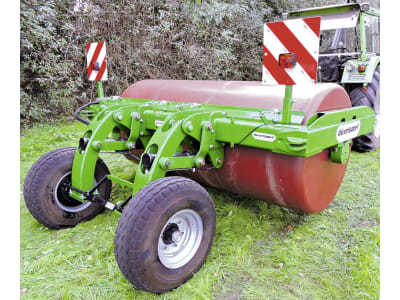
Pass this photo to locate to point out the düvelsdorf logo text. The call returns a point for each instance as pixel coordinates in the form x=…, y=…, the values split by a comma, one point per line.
x=348, y=131
x=264, y=136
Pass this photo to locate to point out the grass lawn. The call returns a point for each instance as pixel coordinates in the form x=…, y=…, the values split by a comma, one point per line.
x=260, y=251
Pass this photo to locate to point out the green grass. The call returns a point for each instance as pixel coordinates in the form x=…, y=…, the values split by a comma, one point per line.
x=260, y=251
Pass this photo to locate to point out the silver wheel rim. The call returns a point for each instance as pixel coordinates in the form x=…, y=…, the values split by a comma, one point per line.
x=73, y=209
x=180, y=239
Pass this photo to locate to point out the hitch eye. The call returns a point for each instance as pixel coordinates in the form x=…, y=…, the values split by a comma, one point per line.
x=287, y=60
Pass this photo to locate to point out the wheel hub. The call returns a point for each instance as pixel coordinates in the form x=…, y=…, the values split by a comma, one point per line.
x=177, y=236
x=180, y=238
x=169, y=232
x=62, y=198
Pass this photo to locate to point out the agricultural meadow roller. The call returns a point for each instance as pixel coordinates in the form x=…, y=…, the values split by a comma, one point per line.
x=286, y=144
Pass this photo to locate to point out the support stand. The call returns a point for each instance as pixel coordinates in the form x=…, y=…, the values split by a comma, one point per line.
x=100, y=91
x=287, y=105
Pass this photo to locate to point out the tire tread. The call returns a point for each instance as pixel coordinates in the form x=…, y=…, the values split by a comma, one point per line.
x=138, y=214
x=358, y=97
x=33, y=185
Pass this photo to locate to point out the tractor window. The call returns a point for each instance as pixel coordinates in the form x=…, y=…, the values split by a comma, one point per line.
x=372, y=25
x=326, y=38
x=340, y=40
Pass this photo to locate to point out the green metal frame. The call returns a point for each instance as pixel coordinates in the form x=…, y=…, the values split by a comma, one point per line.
x=162, y=127
x=324, y=10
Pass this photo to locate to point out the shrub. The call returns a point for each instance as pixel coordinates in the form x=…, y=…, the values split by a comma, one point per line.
x=145, y=39
x=167, y=39
x=49, y=56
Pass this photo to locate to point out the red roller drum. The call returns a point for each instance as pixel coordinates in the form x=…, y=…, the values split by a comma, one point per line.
x=303, y=184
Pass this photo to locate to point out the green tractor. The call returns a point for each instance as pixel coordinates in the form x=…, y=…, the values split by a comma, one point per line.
x=349, y=55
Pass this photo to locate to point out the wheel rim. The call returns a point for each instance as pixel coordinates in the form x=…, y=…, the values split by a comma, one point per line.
x=180, y=239
x=62, y=198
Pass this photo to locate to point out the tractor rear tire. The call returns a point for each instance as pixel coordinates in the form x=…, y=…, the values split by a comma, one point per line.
x=165, y=234
x=46, y=198
x=370, y=98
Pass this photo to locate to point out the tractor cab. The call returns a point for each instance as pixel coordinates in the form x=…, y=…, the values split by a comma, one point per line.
x=349, y=41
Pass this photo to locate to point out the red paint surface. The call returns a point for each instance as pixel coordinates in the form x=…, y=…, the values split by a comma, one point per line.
x=102, y=69
x=314, y=23
x=303, y=184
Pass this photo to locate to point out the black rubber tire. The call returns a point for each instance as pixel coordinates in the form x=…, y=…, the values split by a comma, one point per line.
x=139, y=229
x=370, y=98
x=41, y=181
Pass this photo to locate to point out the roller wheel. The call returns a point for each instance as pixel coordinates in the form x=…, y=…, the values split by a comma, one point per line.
x=165, y=233
x=47, y=199
x=370, y=98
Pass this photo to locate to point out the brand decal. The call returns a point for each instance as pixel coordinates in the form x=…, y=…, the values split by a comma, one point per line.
x=348, y=131
x=158, y=123
x=264, y=136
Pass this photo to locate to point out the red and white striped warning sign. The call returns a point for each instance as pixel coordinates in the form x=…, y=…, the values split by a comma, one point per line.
x=96, y=61
x=298, y=36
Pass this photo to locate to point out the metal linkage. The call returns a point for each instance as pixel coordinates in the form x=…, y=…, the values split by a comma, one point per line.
x=90, y=196
x=177, y=136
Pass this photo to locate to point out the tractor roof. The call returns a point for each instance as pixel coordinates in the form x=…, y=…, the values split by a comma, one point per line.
x=335, y=16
